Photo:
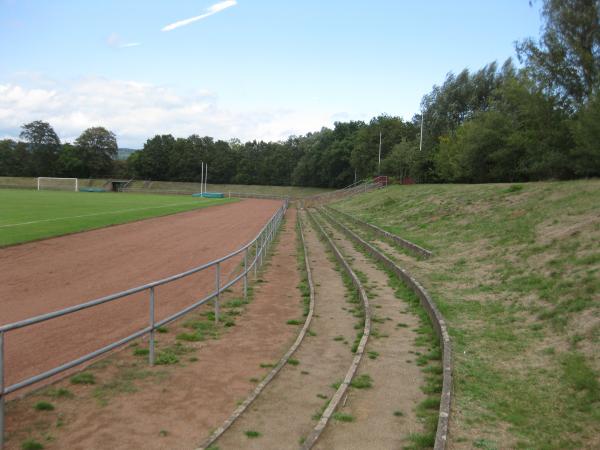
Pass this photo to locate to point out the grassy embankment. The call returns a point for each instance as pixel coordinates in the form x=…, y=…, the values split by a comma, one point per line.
x=290, y=191
x=178, y=187
x=516, y=273
x=27, y=215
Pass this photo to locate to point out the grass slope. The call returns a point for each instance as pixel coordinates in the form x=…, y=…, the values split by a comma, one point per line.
x=177, y=187
x=291, y=191
x=27, y=215
x=516, y=273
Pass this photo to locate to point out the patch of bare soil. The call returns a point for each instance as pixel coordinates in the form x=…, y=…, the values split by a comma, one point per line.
x=282, y=414
x=132, y=405
x=384, y=415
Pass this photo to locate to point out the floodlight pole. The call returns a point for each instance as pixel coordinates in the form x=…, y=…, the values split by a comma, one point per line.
x=421, y=143
x=201, y=177
x=379, y=164
x=206, y=180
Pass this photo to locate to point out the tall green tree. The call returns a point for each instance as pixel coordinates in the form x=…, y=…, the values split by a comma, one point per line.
x=566, y=59
x=70, y=163
x=152, y=162
x=585, y=155
x=44, y=145
x=521, y=136
x=402, y=162
x=14, y=159
x=98, y=149
x=365, y=152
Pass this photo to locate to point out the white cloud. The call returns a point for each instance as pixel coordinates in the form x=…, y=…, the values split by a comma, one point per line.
x=136, y=111
x=130, y=44
x=213, y=9
x=115, y=41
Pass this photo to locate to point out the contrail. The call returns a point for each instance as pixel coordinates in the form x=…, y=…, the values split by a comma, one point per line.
x=209, y=12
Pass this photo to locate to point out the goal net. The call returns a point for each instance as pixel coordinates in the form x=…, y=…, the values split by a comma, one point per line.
x=57, y=184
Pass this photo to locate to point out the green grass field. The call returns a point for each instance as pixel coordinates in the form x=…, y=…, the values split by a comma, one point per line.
x=516, y=272
x=27, y=215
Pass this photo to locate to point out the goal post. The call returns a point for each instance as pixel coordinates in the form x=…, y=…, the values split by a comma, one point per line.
x=60, y=184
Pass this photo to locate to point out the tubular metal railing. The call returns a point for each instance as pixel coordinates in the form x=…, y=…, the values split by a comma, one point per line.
x=355, y=188
x=259, y=244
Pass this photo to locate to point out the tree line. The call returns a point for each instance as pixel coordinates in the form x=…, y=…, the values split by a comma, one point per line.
x=41, y=153
x=538, y=121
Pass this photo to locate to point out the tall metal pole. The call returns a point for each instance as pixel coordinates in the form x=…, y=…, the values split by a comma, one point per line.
x=421, y=143
x=206, y=179
x=201, y=177
x=379, y=166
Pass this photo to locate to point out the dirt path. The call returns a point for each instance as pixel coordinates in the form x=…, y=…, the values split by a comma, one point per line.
x=55, y=273
x=396, y=377
x=175, y=407
x=283, y=413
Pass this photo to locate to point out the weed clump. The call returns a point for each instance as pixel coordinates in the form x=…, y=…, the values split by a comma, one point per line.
x=363, y=381
x=31, y=444
x=59, y=393
x=170, y=355
x=373, y=354
x=343, y=417
x=83, y=378
x=141, y=351
x=252, y=434
x=44, y=406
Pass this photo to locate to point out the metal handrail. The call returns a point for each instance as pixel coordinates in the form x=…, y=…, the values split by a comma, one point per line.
x=261, y=241
x=125, y=293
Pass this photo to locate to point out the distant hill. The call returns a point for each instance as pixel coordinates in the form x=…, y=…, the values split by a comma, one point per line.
x=125, y=152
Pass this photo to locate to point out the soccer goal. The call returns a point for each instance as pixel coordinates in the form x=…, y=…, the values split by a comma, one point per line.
x=57, y=184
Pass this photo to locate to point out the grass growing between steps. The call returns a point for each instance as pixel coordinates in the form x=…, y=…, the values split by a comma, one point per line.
x=516, y=273
x=352, y=297
x=429, y=359
x=303, y=286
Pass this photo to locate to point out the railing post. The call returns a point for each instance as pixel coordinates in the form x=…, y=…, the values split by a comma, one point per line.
x=246, y=274
x=218, y=285
x=1, y=390
x=272, y=228
x=151, y=345
x=262, y=249
x=256, y=260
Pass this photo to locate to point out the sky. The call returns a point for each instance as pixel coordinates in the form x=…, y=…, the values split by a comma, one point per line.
x=246, y=69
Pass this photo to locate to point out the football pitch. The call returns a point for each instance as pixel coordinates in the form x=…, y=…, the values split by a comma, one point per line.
x=27, y=215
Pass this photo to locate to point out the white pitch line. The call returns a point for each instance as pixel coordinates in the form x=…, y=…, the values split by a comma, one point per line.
x=89, y=215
